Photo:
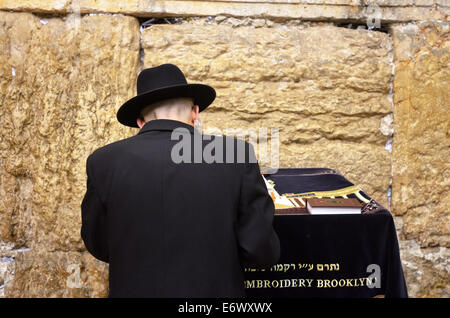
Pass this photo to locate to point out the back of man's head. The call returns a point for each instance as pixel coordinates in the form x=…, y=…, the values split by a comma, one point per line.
x=178, y=108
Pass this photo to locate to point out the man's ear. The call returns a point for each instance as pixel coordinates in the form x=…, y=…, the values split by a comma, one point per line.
x=194, y=113
x=140, y=122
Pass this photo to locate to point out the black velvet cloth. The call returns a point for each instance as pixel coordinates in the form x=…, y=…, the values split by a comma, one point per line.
x=351, y=241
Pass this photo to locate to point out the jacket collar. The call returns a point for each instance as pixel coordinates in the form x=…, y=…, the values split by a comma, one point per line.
x=164, y=124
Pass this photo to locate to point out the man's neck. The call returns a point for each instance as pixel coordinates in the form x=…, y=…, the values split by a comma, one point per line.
x=173, y=118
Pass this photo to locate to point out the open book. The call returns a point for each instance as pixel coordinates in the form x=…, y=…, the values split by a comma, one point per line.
x=284, y=205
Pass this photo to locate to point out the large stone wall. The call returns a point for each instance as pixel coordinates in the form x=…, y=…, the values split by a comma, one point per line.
x=340, y=97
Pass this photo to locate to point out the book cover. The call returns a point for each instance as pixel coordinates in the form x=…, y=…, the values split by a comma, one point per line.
x=333, y=206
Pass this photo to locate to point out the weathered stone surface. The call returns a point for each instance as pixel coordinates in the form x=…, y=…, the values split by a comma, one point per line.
x=61, y=84
x=58, y=274
x=421, y=147
x=6, y=273
x=426, y=270
x=325, y=88
x=330, y=10
x=35, y=5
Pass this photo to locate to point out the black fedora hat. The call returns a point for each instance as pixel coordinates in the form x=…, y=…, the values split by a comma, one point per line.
x=162, y=82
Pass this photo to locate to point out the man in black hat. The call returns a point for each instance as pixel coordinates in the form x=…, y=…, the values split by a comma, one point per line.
x=169, y=228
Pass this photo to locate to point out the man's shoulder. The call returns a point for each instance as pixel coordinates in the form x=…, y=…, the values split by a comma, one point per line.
x=110, y=150
x=239, y=149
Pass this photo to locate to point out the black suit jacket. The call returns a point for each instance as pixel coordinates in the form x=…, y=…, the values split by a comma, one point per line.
x=176, y=229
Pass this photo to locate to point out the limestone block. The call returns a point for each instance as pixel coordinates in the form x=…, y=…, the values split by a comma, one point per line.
x=61, y=83
x=58, y=274
x=36, y=5
x=421, y=147
x=426, y=270
x=388, y=11
x=325, y=88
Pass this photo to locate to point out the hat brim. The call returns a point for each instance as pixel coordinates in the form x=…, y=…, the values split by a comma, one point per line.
x=128, y=113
